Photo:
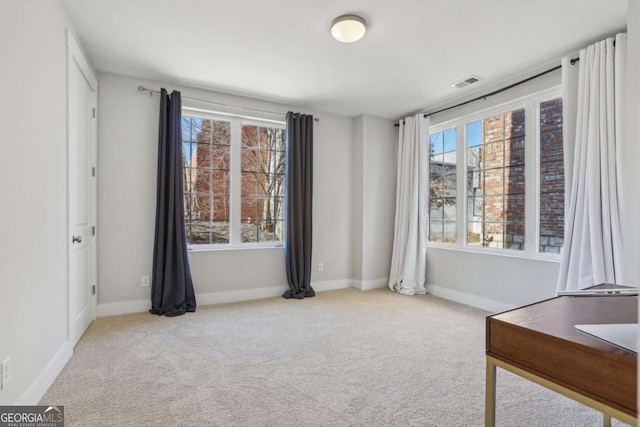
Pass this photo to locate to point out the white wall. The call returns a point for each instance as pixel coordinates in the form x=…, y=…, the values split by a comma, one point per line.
x=127, y=157
x=33, y=275
x=373, y=182
x=356, y=183
x=631, y=153
x=380, y=142
x=490, y=281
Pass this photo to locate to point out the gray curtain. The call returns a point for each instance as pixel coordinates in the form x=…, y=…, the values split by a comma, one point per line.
x=299, y=191
x=171, y=287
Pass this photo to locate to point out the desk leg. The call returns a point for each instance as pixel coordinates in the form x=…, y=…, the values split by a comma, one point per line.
x=490, y=397
x=606, y=420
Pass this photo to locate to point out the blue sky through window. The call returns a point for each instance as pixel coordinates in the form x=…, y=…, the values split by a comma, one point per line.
x=474, y=134
x=190, y=128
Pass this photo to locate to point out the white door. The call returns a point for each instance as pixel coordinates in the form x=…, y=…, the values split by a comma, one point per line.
x=81, y=186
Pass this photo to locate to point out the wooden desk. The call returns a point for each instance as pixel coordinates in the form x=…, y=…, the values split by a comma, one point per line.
x=539, y=342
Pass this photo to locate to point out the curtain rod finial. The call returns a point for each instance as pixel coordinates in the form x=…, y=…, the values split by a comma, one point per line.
x=144, y=89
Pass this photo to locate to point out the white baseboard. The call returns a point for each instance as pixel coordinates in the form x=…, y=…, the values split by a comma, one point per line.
x=224, y=297
x=47, y=376
x=469, y=299
x=366, y=285
x=140, y=306
x=124, y=307
x=332, y=285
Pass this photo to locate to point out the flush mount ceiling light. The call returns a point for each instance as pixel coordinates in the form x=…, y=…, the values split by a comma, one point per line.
x=348, y=28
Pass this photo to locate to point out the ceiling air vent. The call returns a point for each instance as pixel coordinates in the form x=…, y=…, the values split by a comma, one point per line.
x=466, y=82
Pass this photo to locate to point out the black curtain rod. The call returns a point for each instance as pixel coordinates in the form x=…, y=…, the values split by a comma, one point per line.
x=495, y=92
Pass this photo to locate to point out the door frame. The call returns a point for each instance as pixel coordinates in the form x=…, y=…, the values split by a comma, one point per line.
x=75, y=58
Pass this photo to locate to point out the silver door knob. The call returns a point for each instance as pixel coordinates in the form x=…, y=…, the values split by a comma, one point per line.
x=76, y=239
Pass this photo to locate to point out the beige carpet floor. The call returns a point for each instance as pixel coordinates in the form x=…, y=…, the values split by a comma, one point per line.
x=343, y=358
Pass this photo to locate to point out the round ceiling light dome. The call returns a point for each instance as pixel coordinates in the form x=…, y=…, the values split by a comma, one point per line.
x=348, y=28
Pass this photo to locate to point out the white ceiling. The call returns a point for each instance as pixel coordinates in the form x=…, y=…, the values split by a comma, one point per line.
x=281, y=50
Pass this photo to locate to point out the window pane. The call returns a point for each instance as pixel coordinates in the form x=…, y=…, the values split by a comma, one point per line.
x=249, y=184
x=250, y=136
x=220, y=231
x=514, y=180
x=551, y=115
x=475, y=208
x=493, y=155
x=263, y=163
x=494, y=208
x=249, y=162
x=495, y=179
x=186, y=128
x=475, y=183
x=449, y=205
x=220, y=157
x=435, y=231
x=514, y=124
x=437, y=143
x=279, y=231
x=436, y=184
x=551, y=145
x=449, y=159
x=474, y=158
x=474, y=233
x=474, y=134
x=449, y=232
x=450, y=140
x=249, y=208
x=200, y=232
x=552, y=209
x=206, y=185
x=494, y=129
x=493, y=235
x=210, y=132
x=449, y=186
x=249, y=230
x=443, y=186
x=515, y=236
x=514, y=208
x=436, y=209
x=551, y=179
x=220, y=184
x=514, y=152
x=494, y=182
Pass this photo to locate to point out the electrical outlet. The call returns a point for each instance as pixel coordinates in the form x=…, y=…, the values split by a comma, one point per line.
x=321, y=266
x=5, y=368
x=145, y=281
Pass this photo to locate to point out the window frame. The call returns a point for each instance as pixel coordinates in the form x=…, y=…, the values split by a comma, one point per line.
x=531, y=104
x=235, y=178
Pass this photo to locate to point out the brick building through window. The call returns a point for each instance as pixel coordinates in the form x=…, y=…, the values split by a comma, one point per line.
x=208, y=175
x=495, y=164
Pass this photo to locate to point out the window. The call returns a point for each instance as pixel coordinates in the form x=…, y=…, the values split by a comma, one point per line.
x=233, y=181
x=206, y=181
x=263, y=161
x=551, y=220
x=496, y=179
x=443, y=184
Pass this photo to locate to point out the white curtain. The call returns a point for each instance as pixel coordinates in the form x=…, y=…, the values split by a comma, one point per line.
x=408, y=260
x=592, y=110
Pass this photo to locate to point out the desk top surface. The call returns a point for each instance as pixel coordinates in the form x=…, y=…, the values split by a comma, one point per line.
x=558, y=316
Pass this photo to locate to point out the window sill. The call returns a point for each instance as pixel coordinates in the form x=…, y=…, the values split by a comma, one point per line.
x=509, y=253
x=246, y=247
